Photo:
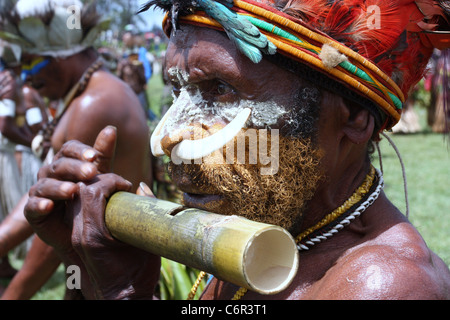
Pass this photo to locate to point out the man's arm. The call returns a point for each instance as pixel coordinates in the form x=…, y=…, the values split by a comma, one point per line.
x=18, y=135
x=10, y=98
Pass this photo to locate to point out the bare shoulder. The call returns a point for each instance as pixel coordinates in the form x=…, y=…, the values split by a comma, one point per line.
x=396, y=264
x=107, y=98
x=106, y=101
x=107, y=91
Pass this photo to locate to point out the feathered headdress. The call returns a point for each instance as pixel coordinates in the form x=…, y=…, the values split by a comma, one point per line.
x=376, y=50
x=57, y=28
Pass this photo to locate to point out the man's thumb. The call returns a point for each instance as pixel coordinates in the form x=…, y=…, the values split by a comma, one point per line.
x=105, y=144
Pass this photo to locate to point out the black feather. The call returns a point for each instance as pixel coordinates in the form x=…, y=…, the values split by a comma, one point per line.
x=164, y=5
x=445, y=6
x=175, y=7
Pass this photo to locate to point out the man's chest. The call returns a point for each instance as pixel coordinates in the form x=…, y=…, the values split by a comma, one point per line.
x=310, y=282
x=219, y=290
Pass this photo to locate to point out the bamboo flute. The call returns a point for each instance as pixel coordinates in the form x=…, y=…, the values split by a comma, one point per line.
x=260, y=257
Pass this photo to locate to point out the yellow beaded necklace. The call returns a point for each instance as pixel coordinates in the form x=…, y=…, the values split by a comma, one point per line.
x=356, y=197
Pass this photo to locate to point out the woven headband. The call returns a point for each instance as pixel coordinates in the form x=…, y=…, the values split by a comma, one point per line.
x=289, y=36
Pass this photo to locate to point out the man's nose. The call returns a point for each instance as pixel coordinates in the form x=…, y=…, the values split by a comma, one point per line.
x=195, y=141
x=170, y=140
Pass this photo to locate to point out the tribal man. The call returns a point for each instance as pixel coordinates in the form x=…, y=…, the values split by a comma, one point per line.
x=61, y=63
x=28, y=115
x=328, y=77
x=11, y=135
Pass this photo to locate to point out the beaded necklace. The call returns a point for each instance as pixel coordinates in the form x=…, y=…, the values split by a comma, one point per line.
x=328, y=226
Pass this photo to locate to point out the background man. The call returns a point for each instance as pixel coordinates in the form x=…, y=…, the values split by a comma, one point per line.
x=134, y=68
x=68, y=69
x=11, y=100
x=329, y=103
x=30, y=116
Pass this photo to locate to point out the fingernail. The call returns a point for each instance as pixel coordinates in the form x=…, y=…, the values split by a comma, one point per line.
x=44, y=205
x=87, y=170
x=144, y=187
x=89, y=154
x=66, y=187
x=111, y=128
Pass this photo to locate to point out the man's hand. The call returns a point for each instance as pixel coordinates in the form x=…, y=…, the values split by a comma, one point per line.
x=57, y=183
x=66, y=209
x=9, y=88
x=131, y=272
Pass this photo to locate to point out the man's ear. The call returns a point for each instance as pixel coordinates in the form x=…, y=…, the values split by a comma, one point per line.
x=359, y=124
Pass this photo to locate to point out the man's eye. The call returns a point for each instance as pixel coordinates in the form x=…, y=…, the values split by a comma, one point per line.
x=223, y=91
x=176, y=90
x=223, y=88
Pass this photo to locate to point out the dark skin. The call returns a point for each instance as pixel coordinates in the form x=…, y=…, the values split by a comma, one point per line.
x=31, y=99
x=17, y=132
x=380, y=255
x=15, y=228
x=11, y=89
x=107, y=101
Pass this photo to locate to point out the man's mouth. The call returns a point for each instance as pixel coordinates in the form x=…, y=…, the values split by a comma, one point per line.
x=209, y=202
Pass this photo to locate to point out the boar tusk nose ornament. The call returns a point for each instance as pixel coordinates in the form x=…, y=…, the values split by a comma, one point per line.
x=197, y=149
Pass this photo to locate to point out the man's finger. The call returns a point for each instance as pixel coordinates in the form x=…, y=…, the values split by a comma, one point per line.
x=77, y=150
x=37, y=208
x=107, y=184
x=105, y=144
x=54, y=190
x=68, y=169
x=145, y=191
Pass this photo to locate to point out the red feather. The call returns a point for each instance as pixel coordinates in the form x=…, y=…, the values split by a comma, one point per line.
x=395, y=42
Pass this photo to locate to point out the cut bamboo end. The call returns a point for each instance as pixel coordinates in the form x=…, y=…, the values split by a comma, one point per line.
x=271, y=261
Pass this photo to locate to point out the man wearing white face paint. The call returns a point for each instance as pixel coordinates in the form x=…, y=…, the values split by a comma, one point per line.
x=302, y=70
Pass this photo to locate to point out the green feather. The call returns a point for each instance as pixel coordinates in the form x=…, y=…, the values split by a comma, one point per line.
x=253, y=53
x=240, y=30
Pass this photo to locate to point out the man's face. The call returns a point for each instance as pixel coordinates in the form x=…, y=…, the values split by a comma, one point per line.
x=223, y=97
x=128, y=40
x=43, y=74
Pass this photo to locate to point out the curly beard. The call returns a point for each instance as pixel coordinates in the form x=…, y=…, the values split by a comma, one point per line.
x=278, y=199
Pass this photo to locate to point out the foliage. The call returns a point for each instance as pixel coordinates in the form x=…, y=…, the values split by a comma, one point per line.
x=426, y=157
x=122, y=12
x=177, y=280
x=421, y=96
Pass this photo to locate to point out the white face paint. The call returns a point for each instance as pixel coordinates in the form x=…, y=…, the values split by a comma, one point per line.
x=190, y=110
x=190, y=107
